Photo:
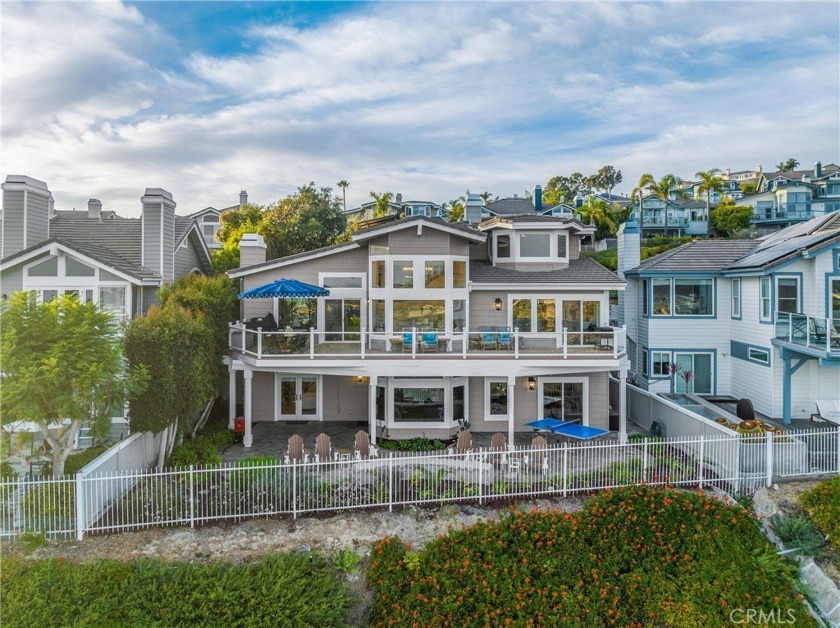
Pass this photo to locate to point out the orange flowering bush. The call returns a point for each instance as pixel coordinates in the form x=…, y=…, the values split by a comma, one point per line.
x=636, y=556
x=822, y=504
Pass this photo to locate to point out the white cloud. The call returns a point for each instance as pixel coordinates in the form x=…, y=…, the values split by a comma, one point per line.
x=423, y=99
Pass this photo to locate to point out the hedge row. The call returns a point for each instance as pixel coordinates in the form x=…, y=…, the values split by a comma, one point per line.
x=280, y=590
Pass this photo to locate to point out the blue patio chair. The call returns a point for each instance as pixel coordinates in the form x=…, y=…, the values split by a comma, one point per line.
x=407, y=340
x=429, y=342
x=488, y=338
x=504, y=338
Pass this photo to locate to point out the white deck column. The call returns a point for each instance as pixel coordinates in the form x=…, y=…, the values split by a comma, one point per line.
x=622, y=406
x=248, y=440
x=372, y=408
x=231, y=397
x=510, y=400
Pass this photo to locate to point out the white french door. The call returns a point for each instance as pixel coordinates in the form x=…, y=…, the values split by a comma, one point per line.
x=298, y=398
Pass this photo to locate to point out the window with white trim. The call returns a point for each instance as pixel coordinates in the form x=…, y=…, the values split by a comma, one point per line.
x=758, y=355
x=659, y=362
x=736, y=297
x=787, y=294
x=764, y=298
x=495, y=399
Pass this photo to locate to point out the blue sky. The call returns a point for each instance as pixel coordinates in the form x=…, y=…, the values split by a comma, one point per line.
x=207, y=98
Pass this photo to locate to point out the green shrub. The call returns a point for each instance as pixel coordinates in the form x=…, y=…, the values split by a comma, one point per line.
x=633, y=556
x=822, y=503
x=280, y=590
x=205, y=448
x=797, y=532
x=413, y=444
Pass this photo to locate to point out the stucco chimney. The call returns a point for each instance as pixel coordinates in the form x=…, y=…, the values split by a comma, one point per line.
x=251, y=250
x=158, y=224
x=818, y=169
x=472, y=208
x=537, y=199
x=26, y=221
x=629, y=256
x=398, y=198
x=94, y=209
x=51, y=212
x=243, y=198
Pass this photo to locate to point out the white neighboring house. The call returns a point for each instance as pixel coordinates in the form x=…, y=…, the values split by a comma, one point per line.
x=748, y=318
x=209, y=221
x=429, y=323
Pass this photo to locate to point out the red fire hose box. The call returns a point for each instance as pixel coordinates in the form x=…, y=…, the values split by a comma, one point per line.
x=239, y=425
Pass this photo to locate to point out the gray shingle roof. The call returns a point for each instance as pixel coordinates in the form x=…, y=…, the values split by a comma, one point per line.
x=459, y=226
x=122, y=236
x=508, y=206
x=699, y=255
x=291, y=258
x=580, y=271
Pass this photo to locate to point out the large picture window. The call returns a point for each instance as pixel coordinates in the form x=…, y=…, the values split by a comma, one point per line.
x=419, y=405
x=534, y=245
x=693, y=297
x=787, y=294
x=403, y=273
x=661, y=289
x=422, y=314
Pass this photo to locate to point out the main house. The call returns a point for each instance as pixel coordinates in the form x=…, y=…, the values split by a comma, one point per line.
x=118, y=263
x=430, y=324
x=757, y=319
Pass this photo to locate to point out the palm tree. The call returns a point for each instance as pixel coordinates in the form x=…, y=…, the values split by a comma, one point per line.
x=383, y=203
x=787, y=166
x=664, y=188
x=343, y=185
x=456, y=209
x=644, y=182
x=485, y=196
x=598, y=212
x=709, y=182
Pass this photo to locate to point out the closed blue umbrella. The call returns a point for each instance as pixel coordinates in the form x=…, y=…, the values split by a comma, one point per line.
x=285, y=289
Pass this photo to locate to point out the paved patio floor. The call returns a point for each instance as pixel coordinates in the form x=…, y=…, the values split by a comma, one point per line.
x=272, y=438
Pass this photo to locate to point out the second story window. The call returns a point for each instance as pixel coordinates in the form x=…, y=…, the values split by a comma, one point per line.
x=378, y=272
x=534, y=245
x=764, y=297
x=787, y=294
x=459, y=274
x=736, y=298
x=661, y=297
x=403, y=273
x=693, y=297
x=435, y=274
x=503, y=246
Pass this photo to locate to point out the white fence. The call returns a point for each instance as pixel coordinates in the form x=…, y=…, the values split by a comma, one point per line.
x=115, y=501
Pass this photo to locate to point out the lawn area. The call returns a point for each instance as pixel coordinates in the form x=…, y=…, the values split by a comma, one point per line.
x=279, y=590
x=635, y=556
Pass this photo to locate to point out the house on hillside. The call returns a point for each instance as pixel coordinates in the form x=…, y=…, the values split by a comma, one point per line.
x=119, y=263
x=786, y=198
x=746, y=318
x=429, y=324
x=678, y=217
x=398, y=208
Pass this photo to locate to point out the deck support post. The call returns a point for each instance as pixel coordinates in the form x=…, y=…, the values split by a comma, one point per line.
x=231, y=397
x=248, y=374
x=374, y=380
x=622, y=406
x=510, y=400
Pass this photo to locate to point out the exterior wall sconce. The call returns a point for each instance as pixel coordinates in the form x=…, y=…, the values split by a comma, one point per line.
x=532, y=383
x=360, y=379
x=498, y=303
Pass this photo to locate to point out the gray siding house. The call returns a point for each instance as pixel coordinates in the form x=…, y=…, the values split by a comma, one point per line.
x=430, y=324
x=119, y=263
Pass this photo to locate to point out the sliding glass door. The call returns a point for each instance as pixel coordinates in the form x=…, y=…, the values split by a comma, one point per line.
x=694, y=374
x=342, y=319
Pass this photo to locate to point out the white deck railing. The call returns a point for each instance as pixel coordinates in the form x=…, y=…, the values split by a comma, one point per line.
x=128, y=500
x=416, y=343
x=814, y=332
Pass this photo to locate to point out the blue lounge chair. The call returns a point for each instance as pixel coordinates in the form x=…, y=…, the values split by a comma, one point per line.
x=488, y=338
x=429, y=342
x=504, y=338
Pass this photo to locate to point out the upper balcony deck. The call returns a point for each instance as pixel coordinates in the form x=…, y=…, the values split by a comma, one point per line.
x=489, y=344
x=815, y=336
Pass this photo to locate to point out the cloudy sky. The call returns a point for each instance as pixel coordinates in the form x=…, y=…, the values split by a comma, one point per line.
x=204, y=99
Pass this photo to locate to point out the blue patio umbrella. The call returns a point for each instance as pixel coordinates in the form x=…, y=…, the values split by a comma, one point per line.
x=285, y=289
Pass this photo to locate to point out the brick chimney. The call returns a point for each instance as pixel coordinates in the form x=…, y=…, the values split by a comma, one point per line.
x=26, y=210
x=251, y=250
x=95, y=209
x=158, y=224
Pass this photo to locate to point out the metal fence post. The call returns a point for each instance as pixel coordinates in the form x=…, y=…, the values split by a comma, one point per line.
x=390, y=481
x=702, y=453
x=480, y=477
x=192, y=498
x=769, y=439
x=80, y=507
x=565, y=467
x=838, y=450
x=645, y=459
x=294, y=489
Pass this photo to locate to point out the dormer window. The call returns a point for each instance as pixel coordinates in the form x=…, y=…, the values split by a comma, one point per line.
x=534, y=245
x=503, y=246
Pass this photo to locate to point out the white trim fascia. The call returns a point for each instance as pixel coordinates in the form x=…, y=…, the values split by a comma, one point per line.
x=399, y=226
x=280, y=262
x=555, y=288
x=54, y=246
x=25, y=215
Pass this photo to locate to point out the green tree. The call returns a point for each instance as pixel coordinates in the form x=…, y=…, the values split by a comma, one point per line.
x=63, y=360
x=669, y=185
x=563, y=189
x=455, y=208
x=749, y=188
x=308, y=219
x=710, y=181
x=605, y=179
x=176, y=347
x=603, y=215
x=485, y=196
x=787, y=166
x=645, y=181
x=343, y=184
x=728, y=218
x=383, y=204
x=216, y=299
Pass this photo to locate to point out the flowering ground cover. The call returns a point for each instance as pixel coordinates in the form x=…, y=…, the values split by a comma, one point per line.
x=632, y=557
x=822, y=504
